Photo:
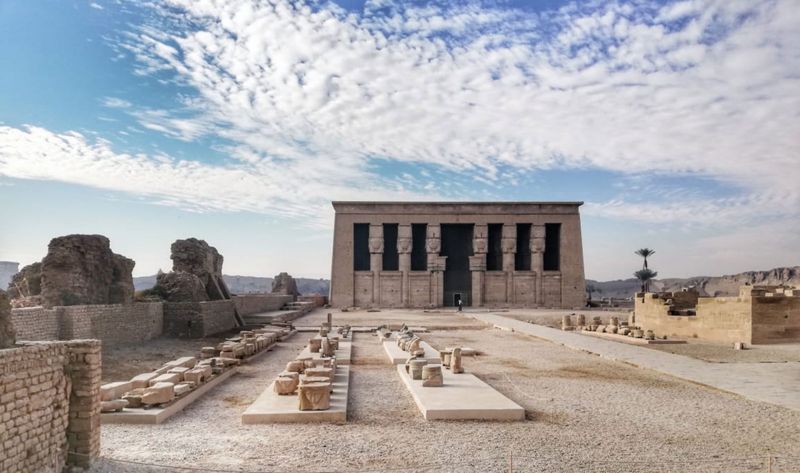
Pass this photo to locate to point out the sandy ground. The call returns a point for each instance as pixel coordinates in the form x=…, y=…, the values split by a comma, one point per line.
x=439, y=319
x=584, y=414
x=724, y=353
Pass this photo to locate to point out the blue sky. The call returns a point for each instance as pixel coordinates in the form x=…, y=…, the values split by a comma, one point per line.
x=239, y=121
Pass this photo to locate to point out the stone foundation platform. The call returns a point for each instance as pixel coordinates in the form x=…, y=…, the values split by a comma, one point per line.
x=270, y=407
x=463, y=397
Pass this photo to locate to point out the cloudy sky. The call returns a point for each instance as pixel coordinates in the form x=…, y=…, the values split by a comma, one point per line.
x=238, y=121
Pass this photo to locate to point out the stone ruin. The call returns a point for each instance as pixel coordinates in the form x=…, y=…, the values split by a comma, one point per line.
x=196, y=274
x=177, y=378
x=419, y=368
x=78, y=269
x=310, y=377
x=285, y=284
x=7, y=333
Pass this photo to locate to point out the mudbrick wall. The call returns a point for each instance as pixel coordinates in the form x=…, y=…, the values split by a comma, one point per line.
x=117, y=323
x=198, y=319
x=49, y=405
x=257, y=303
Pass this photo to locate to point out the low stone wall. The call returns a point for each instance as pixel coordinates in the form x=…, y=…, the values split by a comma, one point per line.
x=248, y=304
x=758, y=319
x=116, y=323
x=49, y=405
x=776, y=319
x=36, y=323
x=198, y=319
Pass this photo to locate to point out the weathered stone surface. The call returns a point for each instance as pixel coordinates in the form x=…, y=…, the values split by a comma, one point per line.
x=159, y=393
x=115, y=405
x=204, y=261
x=111, y=391
x=314, y=396
x=7, y=333
x=284, y=284
x=82, y=269
x=180, y=286
x=432, y=376
x=143, y=380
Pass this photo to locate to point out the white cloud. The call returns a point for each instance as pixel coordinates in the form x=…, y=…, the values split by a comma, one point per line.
x=309, y=96
x=96, y=6
x=288, y=190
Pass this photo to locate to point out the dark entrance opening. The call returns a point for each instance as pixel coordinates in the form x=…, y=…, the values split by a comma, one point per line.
x=457, y=246
x=456, y=298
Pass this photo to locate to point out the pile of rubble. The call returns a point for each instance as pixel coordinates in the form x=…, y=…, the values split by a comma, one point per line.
x=177, y=378
x=614, y=327
x=311, y=376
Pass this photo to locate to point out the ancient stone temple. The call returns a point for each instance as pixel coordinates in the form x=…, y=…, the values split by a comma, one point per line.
x=423, y=254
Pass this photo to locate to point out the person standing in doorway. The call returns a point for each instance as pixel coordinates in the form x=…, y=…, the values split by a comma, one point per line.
x=460, y=304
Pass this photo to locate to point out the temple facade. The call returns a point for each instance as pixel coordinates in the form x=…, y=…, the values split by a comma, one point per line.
x=432, y=254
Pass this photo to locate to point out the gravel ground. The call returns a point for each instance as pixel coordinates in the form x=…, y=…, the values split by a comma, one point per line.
x=724, y=353
x=584, y=414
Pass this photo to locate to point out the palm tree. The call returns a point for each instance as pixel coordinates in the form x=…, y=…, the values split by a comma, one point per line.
x=644, y=253
x=645, y=275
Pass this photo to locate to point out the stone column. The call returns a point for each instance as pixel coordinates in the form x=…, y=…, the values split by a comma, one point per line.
x=404, y=251
x=436, y=263
x=537, y=260
x=83, y=427
x=509, y=247
x=477, y=263
x=376, y=260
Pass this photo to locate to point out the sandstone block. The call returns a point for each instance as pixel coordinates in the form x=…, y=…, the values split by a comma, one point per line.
x=143, y=380
x=171, y=378
x=183, y=388
x=159, y=393
x=111, y=391
x=113, y=406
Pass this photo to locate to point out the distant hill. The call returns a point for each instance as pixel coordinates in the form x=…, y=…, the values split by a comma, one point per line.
x=250, y=284
x=719, y=286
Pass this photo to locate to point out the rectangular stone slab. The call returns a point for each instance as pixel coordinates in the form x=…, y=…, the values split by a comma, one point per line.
x=342, y=354
x=159, y=415
x=463, y=397
x=399, y=357
x=273, y=408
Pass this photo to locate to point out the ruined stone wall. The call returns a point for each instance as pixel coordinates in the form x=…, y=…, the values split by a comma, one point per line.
x=721, y=319
x=776, y=319
x=198, y=319
x=257, y=303
x=115, y=323
x=49, y=405
x=82, y=269
x=36, y=323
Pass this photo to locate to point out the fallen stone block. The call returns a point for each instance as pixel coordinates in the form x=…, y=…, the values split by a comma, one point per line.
x=159, y=393
x=113, y=406
x=143, y=380
x=166, y=378
x=134, y=398
x=111, y=391
x=182, y=388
